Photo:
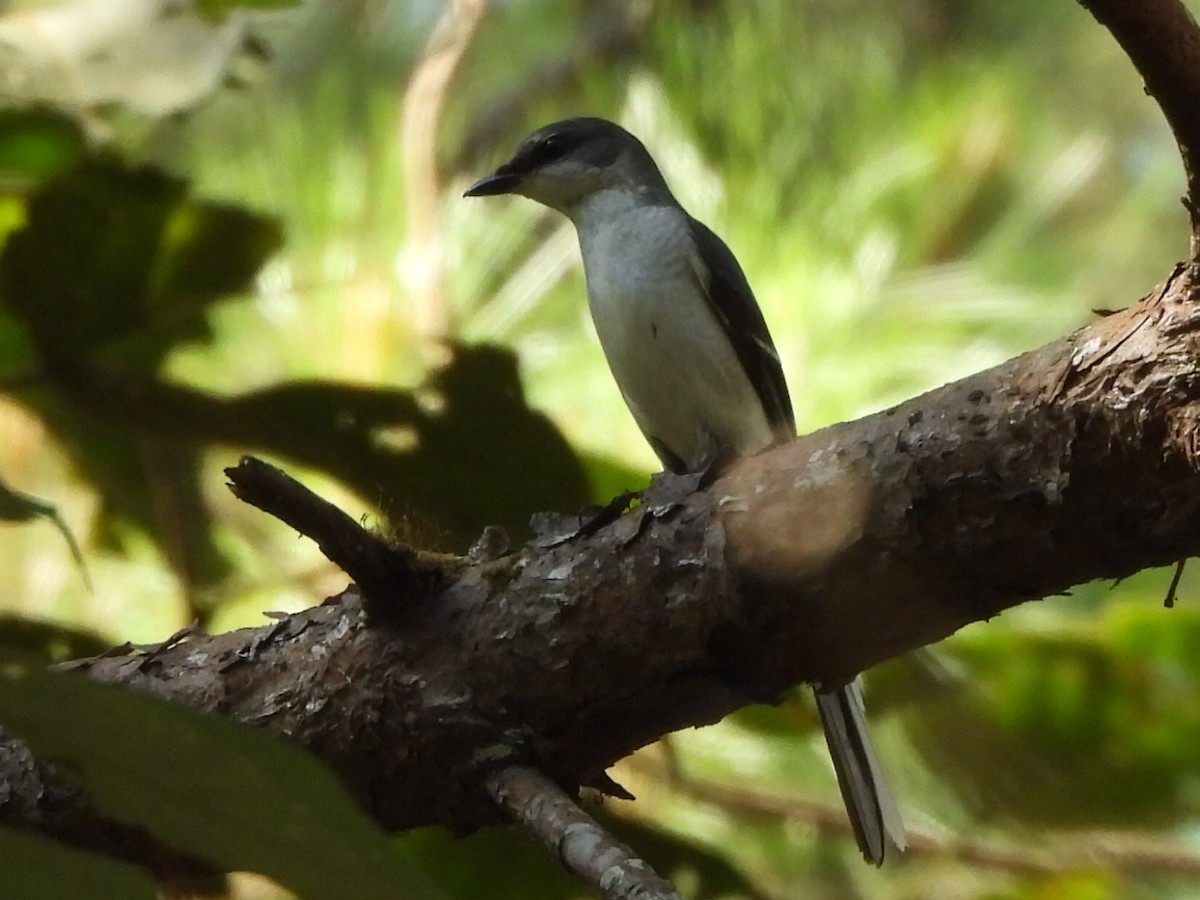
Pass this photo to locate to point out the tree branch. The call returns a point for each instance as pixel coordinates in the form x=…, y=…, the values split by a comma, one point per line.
x=1073, y=462
x=1126, y=852
x=575, y=838
x=1070, y=463
x=1067, y=464
x=383, y=571
x=1162, y=40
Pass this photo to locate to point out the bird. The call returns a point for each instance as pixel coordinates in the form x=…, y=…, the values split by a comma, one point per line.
x=692, y=357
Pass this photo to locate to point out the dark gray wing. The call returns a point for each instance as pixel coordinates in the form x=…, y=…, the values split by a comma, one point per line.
x=733, y=302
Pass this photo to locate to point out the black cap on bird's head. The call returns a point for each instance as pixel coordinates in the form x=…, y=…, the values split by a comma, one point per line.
x=565, y=161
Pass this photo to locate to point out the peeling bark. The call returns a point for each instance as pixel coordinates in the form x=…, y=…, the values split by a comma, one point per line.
x=1067, y=464
x=806, y=563
x=810, y=562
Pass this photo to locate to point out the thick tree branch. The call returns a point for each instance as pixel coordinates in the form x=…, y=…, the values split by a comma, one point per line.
x=1073, y=462
x=1070, y=463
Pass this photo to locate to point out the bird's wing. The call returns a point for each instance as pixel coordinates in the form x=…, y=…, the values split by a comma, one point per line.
x=731, y=300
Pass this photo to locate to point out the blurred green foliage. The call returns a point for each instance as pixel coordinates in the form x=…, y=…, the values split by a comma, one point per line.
x=18, y=507
x=216, y=9
x=36, y=867
x=188, y=777
x=917, y=190
x=113, y=267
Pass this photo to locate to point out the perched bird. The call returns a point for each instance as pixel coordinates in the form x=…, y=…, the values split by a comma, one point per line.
x=690, y=352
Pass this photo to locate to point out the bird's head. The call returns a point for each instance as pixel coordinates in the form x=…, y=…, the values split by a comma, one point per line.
x=561, y=164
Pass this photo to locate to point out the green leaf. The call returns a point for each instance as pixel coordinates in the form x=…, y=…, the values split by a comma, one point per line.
x=77, y=274
x=18, y=358
x=37, y=143
x=18, y=507
x=36, y=868
x=118, y=258
x=34, y=643
x=236, y=796
x=495, y=863
x=211, y=250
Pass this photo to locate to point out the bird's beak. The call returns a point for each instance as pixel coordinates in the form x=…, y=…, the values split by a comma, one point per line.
x=502, y=181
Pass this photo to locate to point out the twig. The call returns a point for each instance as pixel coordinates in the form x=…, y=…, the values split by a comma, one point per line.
x=1123, y=852
x=575, y=838
x=1169, y=600
x=420, y=114
x=382, y=571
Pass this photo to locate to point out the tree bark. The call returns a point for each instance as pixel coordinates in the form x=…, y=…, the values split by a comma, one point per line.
x=810, y=562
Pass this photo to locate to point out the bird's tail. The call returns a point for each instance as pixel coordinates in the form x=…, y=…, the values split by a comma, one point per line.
x=869, y=803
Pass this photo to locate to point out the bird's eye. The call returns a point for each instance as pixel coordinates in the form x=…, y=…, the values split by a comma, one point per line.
x=550, y=148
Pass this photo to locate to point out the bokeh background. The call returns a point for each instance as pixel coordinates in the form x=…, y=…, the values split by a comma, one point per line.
x=244, y=233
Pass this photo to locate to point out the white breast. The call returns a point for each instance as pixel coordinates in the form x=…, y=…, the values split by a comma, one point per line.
x=669, y=354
